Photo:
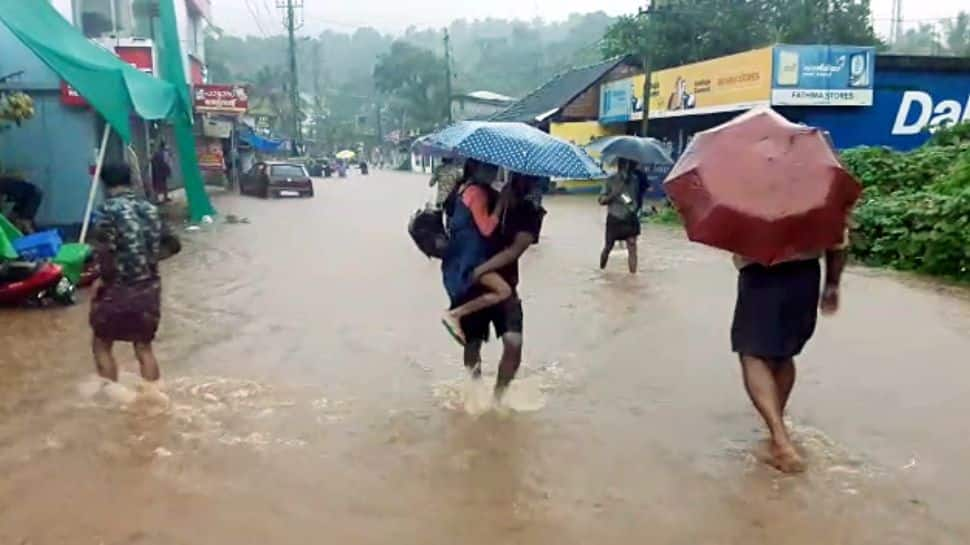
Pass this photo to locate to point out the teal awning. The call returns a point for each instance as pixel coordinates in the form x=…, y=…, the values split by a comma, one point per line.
x=114, y=88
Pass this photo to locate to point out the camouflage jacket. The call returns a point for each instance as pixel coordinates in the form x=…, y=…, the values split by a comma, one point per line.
x=446, y=178
x=128, y=235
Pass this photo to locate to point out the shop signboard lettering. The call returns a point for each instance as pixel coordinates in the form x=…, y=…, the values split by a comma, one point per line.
x=731, y=83
x=229, y=99
x=918, y=111
x=822, y=75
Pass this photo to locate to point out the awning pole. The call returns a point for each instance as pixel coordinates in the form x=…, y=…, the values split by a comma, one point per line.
x=93, y=192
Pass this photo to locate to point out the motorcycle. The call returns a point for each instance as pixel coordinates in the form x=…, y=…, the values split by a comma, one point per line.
x=24, y=282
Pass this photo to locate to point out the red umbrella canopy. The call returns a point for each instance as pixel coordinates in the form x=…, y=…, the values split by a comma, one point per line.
x=763, y=187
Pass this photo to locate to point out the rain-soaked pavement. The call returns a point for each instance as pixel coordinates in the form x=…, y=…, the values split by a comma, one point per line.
x=315, y=399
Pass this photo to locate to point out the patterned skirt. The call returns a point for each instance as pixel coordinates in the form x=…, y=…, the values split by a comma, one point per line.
x=127, y=312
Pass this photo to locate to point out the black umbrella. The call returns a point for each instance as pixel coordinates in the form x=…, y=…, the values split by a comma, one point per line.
x=646, y=151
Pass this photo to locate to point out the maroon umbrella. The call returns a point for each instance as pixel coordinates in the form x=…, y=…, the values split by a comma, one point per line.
x=763, y=187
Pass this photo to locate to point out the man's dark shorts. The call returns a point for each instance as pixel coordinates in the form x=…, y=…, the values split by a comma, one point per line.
x=505, y=317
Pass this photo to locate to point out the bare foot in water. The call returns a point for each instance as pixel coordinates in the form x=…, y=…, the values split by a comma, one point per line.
x=785, y=458
x=453, y=325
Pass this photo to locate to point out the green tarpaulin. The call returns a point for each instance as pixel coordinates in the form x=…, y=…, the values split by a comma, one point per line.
x=113, y=87
x=8, y=234
x=173, y=70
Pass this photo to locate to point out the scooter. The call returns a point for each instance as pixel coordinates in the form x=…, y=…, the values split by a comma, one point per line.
x=25, y=283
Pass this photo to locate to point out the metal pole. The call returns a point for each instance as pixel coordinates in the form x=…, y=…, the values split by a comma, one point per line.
x=448, y=73
x=646, y=61
x=647, y=88
x=93, y=192
x=149, y=180
x=294, y=81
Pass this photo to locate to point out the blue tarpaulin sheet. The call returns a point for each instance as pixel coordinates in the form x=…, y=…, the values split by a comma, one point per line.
x=261, y=144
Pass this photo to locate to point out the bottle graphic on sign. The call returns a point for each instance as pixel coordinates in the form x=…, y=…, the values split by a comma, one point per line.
x=788, y=67
x=859, y=70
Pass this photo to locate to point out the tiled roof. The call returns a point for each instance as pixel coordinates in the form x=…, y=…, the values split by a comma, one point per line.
x=556, y=93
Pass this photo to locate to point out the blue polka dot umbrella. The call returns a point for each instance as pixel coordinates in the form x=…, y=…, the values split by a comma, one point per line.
x=516, y=147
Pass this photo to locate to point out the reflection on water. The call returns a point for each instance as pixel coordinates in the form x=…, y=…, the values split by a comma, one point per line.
x=309, y=392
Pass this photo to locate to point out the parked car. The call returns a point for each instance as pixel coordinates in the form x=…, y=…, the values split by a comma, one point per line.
x=277, y=179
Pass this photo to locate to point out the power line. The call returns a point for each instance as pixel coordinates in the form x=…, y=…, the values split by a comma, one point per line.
x=255, y=16
x=292, y=11
x=269, y=10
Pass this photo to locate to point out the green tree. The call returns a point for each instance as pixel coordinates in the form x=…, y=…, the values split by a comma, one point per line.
x=677, y=32
x=956, y=35
x=413, y=80
x=922, y=40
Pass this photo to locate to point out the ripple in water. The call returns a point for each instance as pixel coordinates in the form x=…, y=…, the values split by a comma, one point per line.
x=477, y=396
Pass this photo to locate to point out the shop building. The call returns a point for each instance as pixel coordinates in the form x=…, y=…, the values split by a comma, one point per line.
x=55, y=149
x=859, y=96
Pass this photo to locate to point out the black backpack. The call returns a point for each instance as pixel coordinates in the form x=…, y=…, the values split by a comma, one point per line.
x=427, y=230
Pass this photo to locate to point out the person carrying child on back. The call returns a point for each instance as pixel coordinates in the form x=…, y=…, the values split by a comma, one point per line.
x=471, y=222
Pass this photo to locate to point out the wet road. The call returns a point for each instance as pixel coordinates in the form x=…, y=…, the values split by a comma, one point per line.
x=315, y=399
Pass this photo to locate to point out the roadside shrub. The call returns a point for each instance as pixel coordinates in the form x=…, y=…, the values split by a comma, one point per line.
x=883, y=171
x=954, y=135
x=666, y=215
x=915, y=212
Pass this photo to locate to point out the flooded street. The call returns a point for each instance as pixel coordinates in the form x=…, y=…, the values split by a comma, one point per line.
x=316, y=399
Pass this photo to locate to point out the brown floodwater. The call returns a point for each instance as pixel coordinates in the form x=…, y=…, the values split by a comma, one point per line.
x=316, y=399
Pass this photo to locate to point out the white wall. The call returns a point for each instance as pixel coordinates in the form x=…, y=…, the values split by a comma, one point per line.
x=65, y=7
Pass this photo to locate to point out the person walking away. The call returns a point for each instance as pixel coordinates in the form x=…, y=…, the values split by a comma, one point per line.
x=161, y=172
x=774, y=318
x=129, y=240
x=622, y=224
x=518, y=231
x=470, y=225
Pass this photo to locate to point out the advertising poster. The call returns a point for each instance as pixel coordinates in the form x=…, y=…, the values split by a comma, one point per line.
x=210, y=154
x=735, y=82
x=619, y=101
x=823, y=75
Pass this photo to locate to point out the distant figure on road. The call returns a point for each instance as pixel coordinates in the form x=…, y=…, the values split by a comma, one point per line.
x=161, y=172
x=775, y=316
x=518, y=230
x=471, y=222
x=129, y=240
x=620, y=195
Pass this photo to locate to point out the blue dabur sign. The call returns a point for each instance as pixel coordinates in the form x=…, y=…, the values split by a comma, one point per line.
x=822, y=75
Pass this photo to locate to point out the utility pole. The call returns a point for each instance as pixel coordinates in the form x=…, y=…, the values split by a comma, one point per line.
x=646, y=61
x=656, y=9
x=895, y=32
x=317, y=93
x=448, y=73
x=380, y=126
x=292, y=9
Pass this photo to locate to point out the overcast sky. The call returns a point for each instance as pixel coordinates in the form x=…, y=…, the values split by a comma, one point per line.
x=236, y=16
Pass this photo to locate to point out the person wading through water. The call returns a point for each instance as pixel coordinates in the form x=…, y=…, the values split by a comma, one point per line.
x=774, y=318
x=622, y=220
x=519, y=229
x=129, y=239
